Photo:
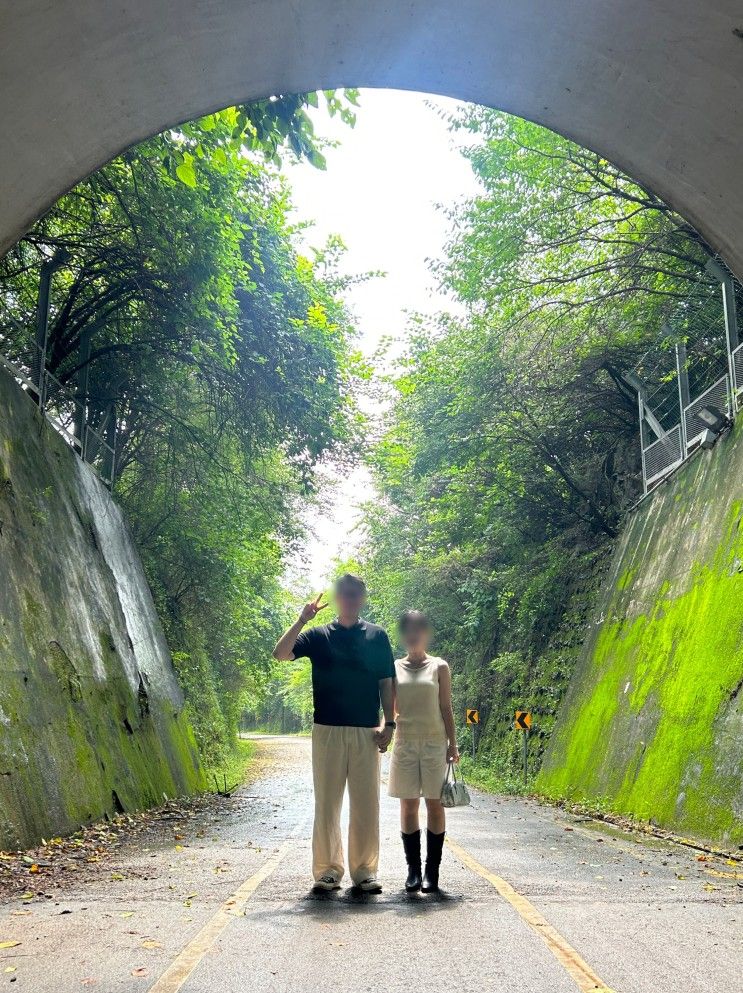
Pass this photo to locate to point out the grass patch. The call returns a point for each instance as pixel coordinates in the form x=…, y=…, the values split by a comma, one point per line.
x=490, y=778
x=235, y=769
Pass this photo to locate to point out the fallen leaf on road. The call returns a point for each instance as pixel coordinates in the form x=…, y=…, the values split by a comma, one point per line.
x=88, y=981
x=9, y=944
x=179, y=848
x=10, y=968
x=139, y=972
x=116, y=877
x=127, y=913
x=34, y=868
x=151, y=944
x=709, y=887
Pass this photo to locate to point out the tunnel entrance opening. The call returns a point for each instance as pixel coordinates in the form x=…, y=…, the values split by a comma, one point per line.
x=99, y=345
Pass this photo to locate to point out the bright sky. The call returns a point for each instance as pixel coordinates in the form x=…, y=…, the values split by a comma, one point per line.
x=379, y=193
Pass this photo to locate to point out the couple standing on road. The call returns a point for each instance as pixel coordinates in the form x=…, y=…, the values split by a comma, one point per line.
x=353, y=671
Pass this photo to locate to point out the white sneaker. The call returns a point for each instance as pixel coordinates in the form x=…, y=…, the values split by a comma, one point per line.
x=325, y=884
x=370, y=885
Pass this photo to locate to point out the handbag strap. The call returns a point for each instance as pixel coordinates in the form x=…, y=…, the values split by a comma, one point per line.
x=451, y=773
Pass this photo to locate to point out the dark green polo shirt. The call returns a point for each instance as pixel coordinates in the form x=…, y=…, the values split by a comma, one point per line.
x=347, y=664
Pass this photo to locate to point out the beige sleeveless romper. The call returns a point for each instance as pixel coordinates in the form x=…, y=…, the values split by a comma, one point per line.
x=418, y=764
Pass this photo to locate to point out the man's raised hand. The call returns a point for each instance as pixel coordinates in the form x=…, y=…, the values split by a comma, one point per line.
x=312, y=609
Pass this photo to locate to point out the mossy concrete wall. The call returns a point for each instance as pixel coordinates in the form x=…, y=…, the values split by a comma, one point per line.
x=652, y=724
x=91, y=714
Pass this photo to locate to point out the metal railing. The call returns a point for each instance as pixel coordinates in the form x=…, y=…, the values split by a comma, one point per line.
x=661, y=457
x=697, y=420
x=65, y=409
x=736, y=366
x=717, y=397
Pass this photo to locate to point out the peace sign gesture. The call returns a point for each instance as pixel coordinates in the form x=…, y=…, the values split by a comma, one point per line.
x=312, y=609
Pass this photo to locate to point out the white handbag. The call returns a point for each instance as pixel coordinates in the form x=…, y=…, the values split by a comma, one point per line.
x=454, y=792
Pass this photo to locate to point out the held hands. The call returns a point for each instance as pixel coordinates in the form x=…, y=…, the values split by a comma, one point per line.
x=311, y=609
x=383, y=737
x=452, y=753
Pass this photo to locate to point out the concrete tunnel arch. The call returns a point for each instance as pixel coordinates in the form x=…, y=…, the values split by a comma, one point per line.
x=657, y=88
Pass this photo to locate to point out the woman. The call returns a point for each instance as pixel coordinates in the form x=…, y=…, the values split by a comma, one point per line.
x=425, y=743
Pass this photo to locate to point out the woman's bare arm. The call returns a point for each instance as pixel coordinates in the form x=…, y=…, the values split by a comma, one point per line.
x=447, y=711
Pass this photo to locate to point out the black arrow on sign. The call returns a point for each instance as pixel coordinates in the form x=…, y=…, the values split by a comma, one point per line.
x=521, y=721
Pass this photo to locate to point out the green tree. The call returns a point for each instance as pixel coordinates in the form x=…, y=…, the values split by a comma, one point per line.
x=510, y=448
x=228, y=357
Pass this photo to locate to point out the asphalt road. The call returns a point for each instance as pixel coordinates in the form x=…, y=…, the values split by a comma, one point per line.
x=535, y=900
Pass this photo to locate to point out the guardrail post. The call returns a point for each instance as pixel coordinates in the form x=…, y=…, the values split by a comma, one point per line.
x=727, y=285
x=682, y=377
x=83, y=376
x=731, y=332
x=42, y=329
x=109, y=466
x=641, y=411
x=48, y=269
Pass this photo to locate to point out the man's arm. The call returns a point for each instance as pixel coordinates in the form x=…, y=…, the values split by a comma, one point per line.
x=387, y=695
x=284, y=650
x=387, y=681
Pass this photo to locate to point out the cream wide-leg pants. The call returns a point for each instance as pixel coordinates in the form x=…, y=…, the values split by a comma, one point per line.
x=345, y=756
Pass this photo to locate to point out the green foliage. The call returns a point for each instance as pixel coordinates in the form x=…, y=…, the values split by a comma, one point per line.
x=266, y=127
x=283, y=705
x=236, y=770
x=510, y=449
x=228, y=357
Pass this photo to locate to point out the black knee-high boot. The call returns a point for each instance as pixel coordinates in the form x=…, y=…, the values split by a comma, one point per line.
x=434, y=848
x=412, y=845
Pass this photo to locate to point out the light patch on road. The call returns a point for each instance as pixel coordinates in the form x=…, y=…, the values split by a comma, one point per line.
x=181, y=968
x=579, y=971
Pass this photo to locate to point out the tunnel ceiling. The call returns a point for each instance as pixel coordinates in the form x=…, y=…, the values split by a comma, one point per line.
x=655, y=87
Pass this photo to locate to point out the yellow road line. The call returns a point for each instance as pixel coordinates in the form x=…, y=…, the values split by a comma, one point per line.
x=181, y=968
x=579, y=971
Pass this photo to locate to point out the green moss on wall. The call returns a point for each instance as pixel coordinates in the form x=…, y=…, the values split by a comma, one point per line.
x=653, y=722
x=91, y=715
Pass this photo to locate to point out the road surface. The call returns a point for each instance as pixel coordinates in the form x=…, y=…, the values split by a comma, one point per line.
x=535, y=899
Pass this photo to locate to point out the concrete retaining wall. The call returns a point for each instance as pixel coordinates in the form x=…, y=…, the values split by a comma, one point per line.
x=91, y=714
x=652, y=724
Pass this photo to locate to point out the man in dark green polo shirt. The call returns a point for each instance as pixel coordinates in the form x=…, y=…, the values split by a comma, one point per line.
x=353, y=672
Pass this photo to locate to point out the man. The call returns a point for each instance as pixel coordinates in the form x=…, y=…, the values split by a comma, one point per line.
x=352, y=671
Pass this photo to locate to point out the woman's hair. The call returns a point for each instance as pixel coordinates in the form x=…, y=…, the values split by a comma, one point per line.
x=410, y=618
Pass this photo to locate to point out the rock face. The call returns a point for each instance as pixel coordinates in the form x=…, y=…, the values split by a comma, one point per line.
x=91, y=714
x=652, y=724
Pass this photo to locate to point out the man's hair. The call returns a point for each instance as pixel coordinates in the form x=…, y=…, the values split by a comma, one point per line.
x=350, y=579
